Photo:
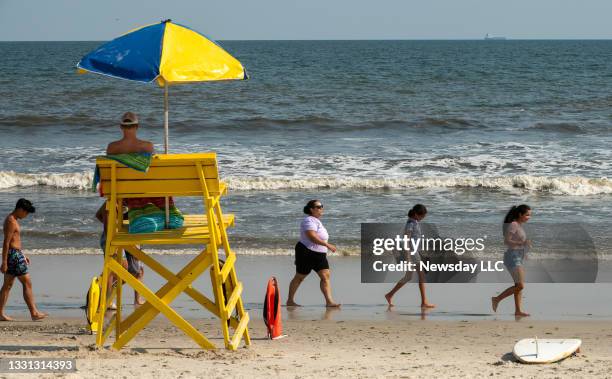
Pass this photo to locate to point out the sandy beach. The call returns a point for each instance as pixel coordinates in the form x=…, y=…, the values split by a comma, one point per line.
x=358, y=349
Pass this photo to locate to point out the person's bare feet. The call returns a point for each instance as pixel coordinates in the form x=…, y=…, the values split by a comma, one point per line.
x=389, y=299
x=427, y=305
x=5, y=318
x=494, y=303
x=39, y=316
x=292, y=304
x=521, y=314
x=332, y=305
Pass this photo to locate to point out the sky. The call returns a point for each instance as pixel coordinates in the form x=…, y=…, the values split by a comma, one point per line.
x=85, y=20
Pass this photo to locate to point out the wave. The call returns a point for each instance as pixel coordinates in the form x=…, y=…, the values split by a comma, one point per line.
x=341, y=124
x=47, y=120
x=564, y=185
x=561, y=185
x=309, y=122
x=561, y=127
x=61, y=234
x=251, y=123
x=76, y=181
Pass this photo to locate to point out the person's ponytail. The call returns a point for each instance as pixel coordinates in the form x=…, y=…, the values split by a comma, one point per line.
x=418, y=209
x=511, y=215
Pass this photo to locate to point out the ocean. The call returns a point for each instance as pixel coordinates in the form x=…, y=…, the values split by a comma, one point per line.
x=468, y=128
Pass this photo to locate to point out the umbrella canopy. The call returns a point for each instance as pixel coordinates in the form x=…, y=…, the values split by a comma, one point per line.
x=166, y=52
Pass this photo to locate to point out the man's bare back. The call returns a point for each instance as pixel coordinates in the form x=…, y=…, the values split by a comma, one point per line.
x=129, y=144
x=12, y=232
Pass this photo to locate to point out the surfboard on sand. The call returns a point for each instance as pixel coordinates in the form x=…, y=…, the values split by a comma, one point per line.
x=534, y=350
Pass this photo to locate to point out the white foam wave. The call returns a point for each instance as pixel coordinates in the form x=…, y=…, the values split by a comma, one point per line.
x=564, y=185
x=78, y=181
x=558, y=185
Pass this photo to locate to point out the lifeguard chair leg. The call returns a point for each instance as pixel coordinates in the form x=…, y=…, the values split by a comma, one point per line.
x=232, y=280
x=106, y=298
x=102, y=305
x=220, y=301
x=118, y=259
x=241, y=312
x=215, y=270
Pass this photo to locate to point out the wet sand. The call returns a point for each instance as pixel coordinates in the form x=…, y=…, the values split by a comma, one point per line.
x=61, y=281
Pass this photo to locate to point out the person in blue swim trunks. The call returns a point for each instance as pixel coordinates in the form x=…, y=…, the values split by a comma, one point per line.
x=15, y=263
x=516, y=240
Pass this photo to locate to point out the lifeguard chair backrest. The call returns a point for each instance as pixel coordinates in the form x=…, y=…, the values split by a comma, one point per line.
x=168, y=175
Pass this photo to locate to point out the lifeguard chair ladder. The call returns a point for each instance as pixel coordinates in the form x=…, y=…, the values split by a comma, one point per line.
x=171, y=175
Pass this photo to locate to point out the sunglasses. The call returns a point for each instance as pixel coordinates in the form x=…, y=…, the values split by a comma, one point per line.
x=318, y=206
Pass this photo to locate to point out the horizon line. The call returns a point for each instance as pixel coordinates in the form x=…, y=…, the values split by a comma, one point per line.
x=359, y=39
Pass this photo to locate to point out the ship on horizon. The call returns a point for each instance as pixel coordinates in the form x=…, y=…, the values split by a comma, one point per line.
x=492, y=37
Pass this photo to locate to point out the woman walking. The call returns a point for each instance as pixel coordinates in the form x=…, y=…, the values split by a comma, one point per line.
x=413, y=231
x=311, y=253
x=516, y=240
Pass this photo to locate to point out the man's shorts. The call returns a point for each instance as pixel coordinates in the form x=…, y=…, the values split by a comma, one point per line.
x=307, y=260
x=16, y=261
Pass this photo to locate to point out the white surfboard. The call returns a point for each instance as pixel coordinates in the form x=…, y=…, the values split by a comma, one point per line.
x=534, y=350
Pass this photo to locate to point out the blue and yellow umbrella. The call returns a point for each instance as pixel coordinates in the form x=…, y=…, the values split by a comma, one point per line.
x=167, y=53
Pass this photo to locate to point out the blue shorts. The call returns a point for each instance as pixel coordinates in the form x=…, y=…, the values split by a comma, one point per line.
x=513, y=258
x=16, y=262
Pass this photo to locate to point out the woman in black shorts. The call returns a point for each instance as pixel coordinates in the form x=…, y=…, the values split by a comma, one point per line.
x=311, y=253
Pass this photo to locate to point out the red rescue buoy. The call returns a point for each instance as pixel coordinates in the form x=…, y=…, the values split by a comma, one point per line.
x=272, y=310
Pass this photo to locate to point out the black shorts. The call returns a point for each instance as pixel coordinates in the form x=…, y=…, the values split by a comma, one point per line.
x=307, y=260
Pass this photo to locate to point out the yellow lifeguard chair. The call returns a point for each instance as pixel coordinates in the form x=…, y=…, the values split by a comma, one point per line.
x=171, y=175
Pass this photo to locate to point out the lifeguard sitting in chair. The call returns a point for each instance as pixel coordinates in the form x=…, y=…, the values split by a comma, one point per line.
x=171, y=175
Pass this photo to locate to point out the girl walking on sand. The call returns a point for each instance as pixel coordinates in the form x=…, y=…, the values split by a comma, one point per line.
x=413, y=231
x=518, y=244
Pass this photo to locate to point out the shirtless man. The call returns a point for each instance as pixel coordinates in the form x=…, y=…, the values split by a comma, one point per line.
x=130, y=144
x=15, y=263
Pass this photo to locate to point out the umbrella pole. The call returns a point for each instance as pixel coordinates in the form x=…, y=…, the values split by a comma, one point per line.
x=166, y=118
x=166, y=146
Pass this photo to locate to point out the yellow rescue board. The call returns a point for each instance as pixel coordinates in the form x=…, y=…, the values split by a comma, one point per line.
x=91, y=307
